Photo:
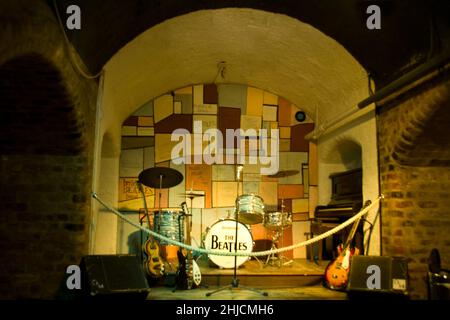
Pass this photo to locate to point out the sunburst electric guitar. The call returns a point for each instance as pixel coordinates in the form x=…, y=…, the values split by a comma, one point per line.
x=153, y=265
x=337, y=271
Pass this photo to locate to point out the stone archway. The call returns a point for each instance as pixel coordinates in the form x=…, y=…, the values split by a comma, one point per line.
x=47, y=117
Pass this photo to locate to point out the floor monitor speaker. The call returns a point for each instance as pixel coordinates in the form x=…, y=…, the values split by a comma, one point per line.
x=113, y=276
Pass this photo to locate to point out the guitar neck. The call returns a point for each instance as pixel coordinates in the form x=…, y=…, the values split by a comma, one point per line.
x=141, y=189
x=354, y=228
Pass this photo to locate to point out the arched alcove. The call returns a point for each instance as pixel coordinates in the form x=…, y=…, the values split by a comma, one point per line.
x=45, y=207
x=235, y=47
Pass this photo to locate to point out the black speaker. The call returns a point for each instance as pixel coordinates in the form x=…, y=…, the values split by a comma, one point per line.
x=378, y=276
x=113, y=276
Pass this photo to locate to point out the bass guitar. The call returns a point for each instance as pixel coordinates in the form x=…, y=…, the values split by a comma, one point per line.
x=188, y=274
x=337, y=272
x=153, y=265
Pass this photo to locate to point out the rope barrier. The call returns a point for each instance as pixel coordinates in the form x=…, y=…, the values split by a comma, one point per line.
x=243, y=254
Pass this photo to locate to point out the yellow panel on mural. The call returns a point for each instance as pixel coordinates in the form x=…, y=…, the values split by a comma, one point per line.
x=270, y=98
x=163, y=107
x=206, y=121
x=251, y=122
x=254, y=101
x=205, y=108
x=198, y=95
x=225, y=193
x=145, y=121
x=129, y=130
x=270, y=113
x=163, y=147
x=313, y=200
x=146, y=131
x=285, y=132
x=185, y=90
x=268, y=191
x=300, y=205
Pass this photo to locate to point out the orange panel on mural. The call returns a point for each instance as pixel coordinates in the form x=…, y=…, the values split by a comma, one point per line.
x=199, y=177
x=284, y=112
x=290, y=191
x=312, y=161
x=285, y=241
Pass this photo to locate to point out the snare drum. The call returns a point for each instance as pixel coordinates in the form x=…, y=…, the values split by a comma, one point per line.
x=277, y=220
x=221, y=236
x=169, y=223
x=250, y=208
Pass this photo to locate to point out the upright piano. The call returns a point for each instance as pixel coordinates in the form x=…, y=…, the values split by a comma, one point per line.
x=346, y=201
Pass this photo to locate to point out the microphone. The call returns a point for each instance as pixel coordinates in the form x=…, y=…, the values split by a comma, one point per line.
x=239, y=172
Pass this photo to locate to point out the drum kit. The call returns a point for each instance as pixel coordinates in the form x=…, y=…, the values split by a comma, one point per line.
x=222, y=234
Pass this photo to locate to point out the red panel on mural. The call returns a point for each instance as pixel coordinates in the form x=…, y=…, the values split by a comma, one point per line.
x=228, y=118
x=210, y=95
x=298, y=133
x=131, y=121
x=287, y=205
x=173, y=122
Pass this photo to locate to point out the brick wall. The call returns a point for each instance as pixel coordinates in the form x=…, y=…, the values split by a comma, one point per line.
x=416, y=211
x=47, y=113
x=43, y=222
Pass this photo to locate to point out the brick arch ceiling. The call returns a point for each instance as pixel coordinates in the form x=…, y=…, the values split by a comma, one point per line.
x=270, y=51
x=36, y=109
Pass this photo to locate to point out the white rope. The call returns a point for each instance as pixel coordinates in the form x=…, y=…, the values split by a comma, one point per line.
x=244, y=254
x=72, y=59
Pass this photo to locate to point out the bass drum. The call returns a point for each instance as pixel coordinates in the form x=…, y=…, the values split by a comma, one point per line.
x=221, y=236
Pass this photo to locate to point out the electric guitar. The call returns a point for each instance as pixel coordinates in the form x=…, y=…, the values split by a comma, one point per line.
x=153, y=265
x=188, y=274
x=337, y=271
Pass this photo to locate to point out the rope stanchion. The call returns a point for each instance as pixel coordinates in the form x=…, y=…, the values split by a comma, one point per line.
x=252, y=254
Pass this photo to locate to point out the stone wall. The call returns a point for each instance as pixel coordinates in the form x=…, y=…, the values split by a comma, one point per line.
x=47, y=113
x=416, y=210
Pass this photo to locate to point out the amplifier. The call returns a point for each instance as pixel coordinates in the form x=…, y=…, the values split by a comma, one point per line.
x=113, y=276
x=379, y=275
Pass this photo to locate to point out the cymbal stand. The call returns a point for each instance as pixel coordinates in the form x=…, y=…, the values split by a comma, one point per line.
x=275, y=237
x=235, y=281
x=281, y=256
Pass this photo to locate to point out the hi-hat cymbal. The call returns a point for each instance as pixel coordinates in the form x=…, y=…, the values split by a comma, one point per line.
x=283, y=174
x=160, y=177
x=191, y=194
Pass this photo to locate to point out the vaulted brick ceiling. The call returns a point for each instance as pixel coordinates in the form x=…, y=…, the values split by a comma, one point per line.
x=402, y=42
x=36, y=109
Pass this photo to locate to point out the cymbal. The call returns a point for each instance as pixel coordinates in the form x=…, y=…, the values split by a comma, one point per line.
x=151, y=177
x=283, y=174
x=191, y=194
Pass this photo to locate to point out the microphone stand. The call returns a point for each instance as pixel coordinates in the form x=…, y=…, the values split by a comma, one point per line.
x=235, y=281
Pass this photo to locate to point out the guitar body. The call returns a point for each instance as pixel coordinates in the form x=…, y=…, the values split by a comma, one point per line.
x=182, y=276
x=153, y=266
x=188, y=274
x=338, y=270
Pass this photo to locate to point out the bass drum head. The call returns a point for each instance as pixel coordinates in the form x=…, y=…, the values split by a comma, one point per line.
x=221, y=237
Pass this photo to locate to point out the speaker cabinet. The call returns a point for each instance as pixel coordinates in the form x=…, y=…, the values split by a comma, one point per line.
x=378, y=276
x=113, y=276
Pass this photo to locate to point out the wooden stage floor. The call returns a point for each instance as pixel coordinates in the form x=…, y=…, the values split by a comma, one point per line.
x=299, y=280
